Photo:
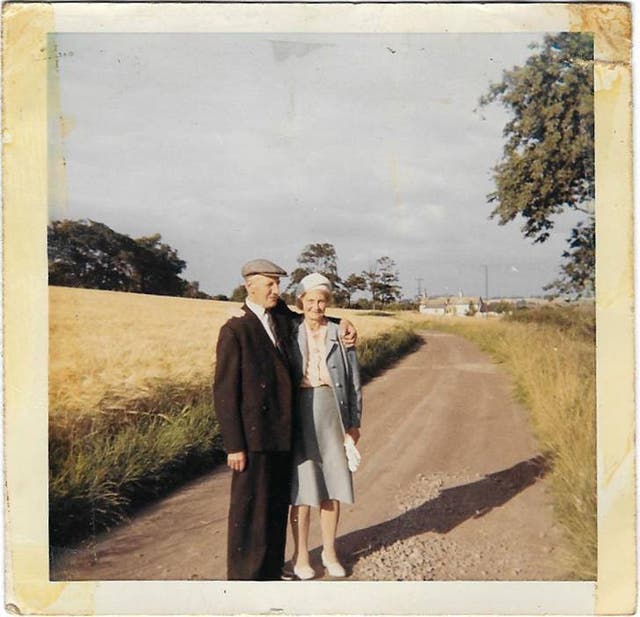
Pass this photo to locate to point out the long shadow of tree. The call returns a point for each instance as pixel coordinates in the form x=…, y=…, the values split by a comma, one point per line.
x=449, y=509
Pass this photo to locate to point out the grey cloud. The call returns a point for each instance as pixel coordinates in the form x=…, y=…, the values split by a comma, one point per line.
x=234, y=146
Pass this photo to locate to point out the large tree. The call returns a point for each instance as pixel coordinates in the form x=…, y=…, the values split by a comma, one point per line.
x=547, y=164
x=89, y=254
x=351, y=285
x=159, y=267
x=319, y=257
x=383, y=281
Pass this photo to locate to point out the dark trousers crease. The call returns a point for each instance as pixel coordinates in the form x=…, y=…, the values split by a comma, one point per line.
x=260, y=498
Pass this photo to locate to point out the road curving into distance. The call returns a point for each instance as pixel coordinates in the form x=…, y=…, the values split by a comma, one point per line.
x=451, y=487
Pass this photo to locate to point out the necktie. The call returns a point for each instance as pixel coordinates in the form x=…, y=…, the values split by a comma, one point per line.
x=272, y=328
x=276, y=337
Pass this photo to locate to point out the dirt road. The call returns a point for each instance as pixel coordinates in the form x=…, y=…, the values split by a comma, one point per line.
x=451, y=487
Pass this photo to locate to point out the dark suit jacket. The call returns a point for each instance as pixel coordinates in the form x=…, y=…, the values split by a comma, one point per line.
x=253, y=391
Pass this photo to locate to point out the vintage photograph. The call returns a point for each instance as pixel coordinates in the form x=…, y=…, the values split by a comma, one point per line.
x=440, y=189
x=322, y=306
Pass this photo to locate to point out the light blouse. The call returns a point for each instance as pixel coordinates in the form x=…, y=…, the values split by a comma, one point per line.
x=316, y=372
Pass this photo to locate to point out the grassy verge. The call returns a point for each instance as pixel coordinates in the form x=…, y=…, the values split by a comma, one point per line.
x=550, y=354
x=377, y=353
x=105, y=463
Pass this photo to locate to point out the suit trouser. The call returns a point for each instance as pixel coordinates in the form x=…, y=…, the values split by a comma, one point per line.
x=260, y=497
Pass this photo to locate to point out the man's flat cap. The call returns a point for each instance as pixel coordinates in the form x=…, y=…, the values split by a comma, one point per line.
x=262, y=266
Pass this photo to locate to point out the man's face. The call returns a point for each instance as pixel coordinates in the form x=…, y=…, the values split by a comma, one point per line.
x=263, y=290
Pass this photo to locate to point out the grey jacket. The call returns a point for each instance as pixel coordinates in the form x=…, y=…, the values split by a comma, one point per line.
x=343, y=369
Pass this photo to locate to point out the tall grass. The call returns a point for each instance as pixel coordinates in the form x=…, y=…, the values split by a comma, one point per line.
x=103, y=464
x=550, y=353
x=131, y=408
x=379, y=352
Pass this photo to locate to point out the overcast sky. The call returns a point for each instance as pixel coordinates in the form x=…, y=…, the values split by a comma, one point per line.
x=236, y=146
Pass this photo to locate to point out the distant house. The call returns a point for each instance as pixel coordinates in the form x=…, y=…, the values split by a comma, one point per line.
x=444, y=306
x=432, y=309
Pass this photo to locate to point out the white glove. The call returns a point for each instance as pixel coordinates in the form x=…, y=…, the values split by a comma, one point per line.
x=353, y=456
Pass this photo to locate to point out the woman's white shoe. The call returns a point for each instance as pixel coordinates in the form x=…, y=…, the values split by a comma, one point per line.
x=304, y=573
x=333, y=567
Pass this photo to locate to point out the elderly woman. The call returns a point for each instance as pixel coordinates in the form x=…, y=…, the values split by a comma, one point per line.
x=328, y=408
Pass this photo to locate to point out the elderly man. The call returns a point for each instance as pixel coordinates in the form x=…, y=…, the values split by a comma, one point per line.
x=253, y=398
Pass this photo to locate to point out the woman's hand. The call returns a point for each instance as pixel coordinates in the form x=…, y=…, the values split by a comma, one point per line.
x=354, y=433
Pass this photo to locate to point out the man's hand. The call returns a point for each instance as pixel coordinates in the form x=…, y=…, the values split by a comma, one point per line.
x=237, y=460
x=355, y=434
x=348, y=333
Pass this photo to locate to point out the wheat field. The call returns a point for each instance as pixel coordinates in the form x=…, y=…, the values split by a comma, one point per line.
x=131, y=407
x=130, y=397
x=107, y=348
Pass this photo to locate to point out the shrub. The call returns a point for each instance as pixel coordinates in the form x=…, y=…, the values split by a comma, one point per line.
x=579, y=321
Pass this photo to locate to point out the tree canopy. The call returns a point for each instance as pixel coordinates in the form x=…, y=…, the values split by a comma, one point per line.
x=547, y=164
x=353, y=284
x=383, y=281
x=319, y=257
x=92, y=255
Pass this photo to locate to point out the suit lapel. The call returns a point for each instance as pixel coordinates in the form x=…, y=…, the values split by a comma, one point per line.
x=282, y=334
x=258, y=328
x=332, y=338
x=277, y=351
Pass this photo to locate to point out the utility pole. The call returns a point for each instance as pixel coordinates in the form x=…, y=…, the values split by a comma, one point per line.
x=419, y=280
x=486, y=283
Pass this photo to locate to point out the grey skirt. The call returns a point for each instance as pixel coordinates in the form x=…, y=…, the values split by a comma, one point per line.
x=320, y=470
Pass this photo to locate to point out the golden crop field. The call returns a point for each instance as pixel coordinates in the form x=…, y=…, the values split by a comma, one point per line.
x=131, y=403
x=107, y=347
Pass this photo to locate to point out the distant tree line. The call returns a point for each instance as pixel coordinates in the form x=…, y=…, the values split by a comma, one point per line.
x=92, y=255
x=380, y=281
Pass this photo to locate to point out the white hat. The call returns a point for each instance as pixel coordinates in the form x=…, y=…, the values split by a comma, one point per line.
x=315, y=280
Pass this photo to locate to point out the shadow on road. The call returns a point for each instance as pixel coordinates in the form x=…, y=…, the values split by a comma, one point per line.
x=452, y=507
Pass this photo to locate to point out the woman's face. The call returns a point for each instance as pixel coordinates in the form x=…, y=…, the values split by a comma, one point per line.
x=314, y=304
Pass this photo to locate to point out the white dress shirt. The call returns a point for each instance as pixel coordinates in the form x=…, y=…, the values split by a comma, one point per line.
x=265, y=318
